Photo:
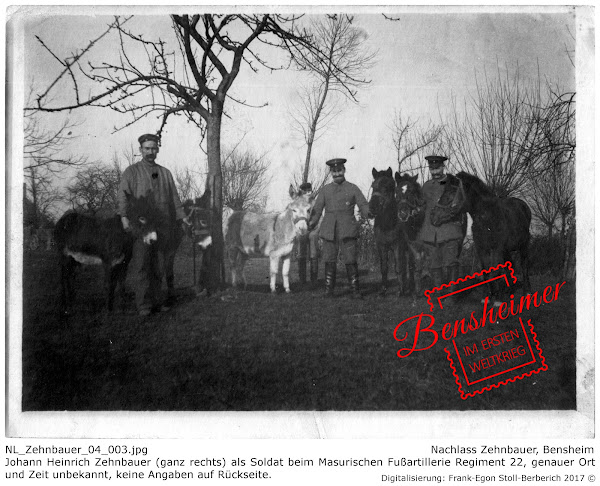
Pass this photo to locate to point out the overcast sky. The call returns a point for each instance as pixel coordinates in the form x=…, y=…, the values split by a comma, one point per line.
x=424, y=58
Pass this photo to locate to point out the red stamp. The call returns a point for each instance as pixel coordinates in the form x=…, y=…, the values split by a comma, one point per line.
x=487, y=347
x=503, y=355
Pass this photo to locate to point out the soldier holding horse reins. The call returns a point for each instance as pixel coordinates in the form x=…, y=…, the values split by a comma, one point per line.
x=443, y=237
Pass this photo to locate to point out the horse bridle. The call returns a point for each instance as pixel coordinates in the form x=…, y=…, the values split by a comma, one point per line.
x=413, y=206
x=384, y=197
x=200, y=232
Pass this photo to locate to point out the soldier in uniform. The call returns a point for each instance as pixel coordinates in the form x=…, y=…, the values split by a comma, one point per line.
x=339, y=228
x=443, y=242
x=149, y=263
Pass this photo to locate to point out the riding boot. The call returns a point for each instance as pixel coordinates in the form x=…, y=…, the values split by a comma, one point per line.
x=302, y=270
x=330, y=271
x=352, y=271
x=314, y=270
x=454, y=272
x=436, y=275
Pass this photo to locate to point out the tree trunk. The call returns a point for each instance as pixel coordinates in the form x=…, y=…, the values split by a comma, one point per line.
x=214, y=182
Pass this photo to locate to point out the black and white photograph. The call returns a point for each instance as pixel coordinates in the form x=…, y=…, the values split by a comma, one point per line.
x=300, y=222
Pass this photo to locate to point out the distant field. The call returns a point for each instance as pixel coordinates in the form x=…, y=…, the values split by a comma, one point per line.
x=250, y=350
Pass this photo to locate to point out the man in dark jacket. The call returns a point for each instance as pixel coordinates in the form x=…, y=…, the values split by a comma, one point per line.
x=147, y=267
x=339, y=228
x=444, y=241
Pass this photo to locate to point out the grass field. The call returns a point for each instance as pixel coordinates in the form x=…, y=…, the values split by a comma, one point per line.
x=250, y=350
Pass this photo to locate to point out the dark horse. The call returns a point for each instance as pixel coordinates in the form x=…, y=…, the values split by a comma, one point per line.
x=411, y=214
x=500, y=225
x=199, y=216
x=87, y=240
x=382, y=205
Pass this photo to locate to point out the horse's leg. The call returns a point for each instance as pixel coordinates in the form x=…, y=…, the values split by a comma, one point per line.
x=398, y=267
x=410, y=269
x=66, y=285
x=383, y=265
x=169, y=258
x=232, y=254
x=285, y=272
x=120, y=278
x=274, y=268
x=415, y=269
x=525, y=266
x=497, y=257
x=110, y=274
x=243, y=260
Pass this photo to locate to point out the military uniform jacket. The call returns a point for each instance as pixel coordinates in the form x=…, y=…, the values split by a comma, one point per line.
x=338, y=201
x=138, y=180
x=432, y=191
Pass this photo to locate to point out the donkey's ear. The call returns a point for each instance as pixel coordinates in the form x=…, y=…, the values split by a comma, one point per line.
x=292, y=192
x=397, y=177
x=415, y=177
x=374, y=172
x=389, y=172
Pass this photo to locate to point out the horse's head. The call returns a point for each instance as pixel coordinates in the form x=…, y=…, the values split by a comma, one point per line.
x=300, y=207
x=409, y=198
x=199, y=217
x=145, y=219
x=475, y=190
x=383, y=188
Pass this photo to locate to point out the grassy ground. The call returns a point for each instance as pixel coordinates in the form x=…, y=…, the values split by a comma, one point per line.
x=250, y=350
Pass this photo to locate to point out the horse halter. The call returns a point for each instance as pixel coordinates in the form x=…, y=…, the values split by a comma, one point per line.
x=405, y=202
x=385, y=198
x=205, y=224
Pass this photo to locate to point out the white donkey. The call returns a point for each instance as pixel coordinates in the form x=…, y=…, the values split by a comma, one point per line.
x=258, y=235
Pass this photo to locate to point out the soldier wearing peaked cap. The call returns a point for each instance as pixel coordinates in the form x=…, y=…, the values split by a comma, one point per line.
x=150, y=263
x=339, y=228
x=444, y=242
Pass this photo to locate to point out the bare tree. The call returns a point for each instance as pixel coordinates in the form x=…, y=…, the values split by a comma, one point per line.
x=411, y=141
x=245, y=176
x=510, y=131
x=45, y=158
x=43, y=195
x=337, y=70
x=44, y=149
x=94, y=190
x=318, y=176
x=491, y=135
x=194, y=81
x=188, y=183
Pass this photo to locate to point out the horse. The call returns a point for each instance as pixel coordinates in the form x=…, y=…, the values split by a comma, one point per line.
x=272, y=235
x=382, y=206
x=411, y=215
x=86, y=240
x=500, y=225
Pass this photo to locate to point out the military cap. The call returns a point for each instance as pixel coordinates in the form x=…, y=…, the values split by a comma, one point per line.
x=149, y=137
x=307, y=186
x=435, y=160
x=335, y=163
